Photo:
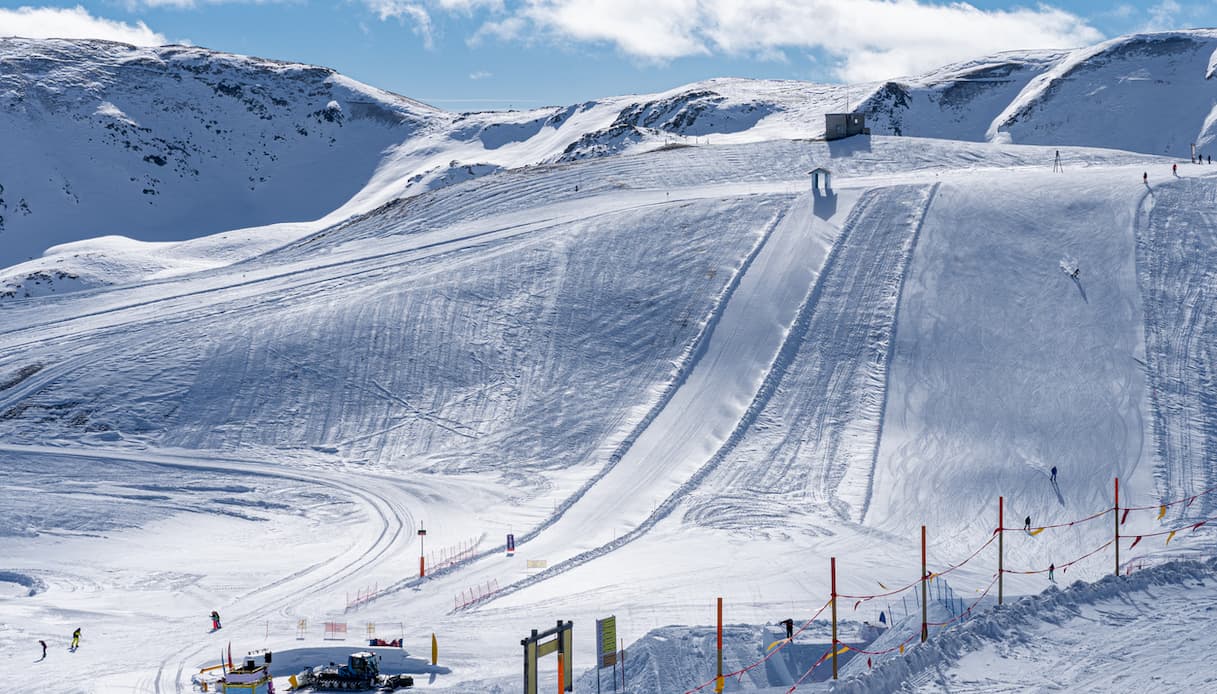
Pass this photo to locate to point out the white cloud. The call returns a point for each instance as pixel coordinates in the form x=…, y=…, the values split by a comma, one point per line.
x=870, y=39
x=1162, y=16
x=480, y=75
x=73, y=23
x=404, y=10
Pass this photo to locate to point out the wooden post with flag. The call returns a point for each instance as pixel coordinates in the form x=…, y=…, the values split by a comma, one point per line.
x=1001, y=550
x=925, y=622
x=833, y=568
x=718, y=679
x=1117, y=510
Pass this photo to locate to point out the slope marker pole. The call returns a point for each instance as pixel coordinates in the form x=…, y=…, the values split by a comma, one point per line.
x=925, y=622
x=834, y=617
x=718, y=681
x=1001, y=550
x=1117, y=514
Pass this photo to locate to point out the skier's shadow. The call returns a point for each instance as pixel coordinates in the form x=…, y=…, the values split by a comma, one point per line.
x=1081, y=290
x=1057, y=489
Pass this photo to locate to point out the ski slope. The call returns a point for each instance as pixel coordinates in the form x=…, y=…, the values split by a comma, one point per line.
x=673, y=374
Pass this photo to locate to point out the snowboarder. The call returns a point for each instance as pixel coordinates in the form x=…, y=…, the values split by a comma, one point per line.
x=76, y=639
x=215, y=620
x=1027, y=524
x=1051, y=568
x=43, y=644
x=1053, y=479
x=789, y=624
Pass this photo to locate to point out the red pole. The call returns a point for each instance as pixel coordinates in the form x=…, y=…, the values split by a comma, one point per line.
x=925, y=622
x=1001, y=550
x=718, y=682
x=1117, y=526
x=834, y=618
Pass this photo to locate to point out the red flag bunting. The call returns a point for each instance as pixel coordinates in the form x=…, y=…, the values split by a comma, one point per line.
x=1125, y=518
x=1134, y=542
x=856, y=604
x=1198, y=525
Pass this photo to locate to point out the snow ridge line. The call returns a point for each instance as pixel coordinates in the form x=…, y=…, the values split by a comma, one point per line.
x=891, y=350
x=994, y=625
x=690, y=360
x=786, y=354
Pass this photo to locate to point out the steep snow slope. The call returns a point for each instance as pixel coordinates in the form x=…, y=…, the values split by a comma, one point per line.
x=1145, y=93
x=176, y=142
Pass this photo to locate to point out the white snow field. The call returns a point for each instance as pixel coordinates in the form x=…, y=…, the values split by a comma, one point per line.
x=674, y=373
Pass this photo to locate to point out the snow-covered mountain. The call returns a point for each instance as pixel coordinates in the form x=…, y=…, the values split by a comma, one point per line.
x=628, y=333
x=173, y=144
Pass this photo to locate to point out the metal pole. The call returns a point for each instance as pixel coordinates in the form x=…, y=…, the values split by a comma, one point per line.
x=1117, y=509
x=834, y=617
x=718, y=682
x=1001, y=549
x=925, y=622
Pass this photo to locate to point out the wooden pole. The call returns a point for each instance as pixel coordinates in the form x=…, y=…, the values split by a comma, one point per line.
x=718, y=681
x=1001, y=550
x=1117, y=527
x=925, y=622
x=834, y=617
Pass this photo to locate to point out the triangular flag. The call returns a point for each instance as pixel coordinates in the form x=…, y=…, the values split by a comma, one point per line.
x=1198, y=525
x=902, y=649
x=1134, y=542
x=881, y=585
x=868, y=663
x=1125, y=518
x=1161, y=511
x=1189, y=502
x=770, y=648
x=856, y=604
x=1035, y=532
x=1170, y=537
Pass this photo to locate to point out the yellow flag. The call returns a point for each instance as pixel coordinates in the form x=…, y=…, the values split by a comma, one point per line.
x=841, y=650
x=902, y=649
x=1170, y=537
x=1161, y=511
x=1037, y=531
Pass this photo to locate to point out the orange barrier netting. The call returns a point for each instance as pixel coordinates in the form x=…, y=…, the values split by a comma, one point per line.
x=770, y=654
x=860, y=598
x=965, y=613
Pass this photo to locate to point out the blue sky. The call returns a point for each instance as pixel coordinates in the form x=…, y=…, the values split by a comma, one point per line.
x=483, y=54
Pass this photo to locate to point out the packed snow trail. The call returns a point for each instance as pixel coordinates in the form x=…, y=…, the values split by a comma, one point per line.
x=1004, y=366
x=821, y=410
x=1176, y=254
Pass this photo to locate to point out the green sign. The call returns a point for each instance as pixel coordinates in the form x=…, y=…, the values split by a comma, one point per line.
x=606, y=641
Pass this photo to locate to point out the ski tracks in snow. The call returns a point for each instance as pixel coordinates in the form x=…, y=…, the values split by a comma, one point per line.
x=843, y=325
x=1176, y=254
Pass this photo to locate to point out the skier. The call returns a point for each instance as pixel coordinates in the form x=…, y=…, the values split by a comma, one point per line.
x=1027, y=524
x=1054, y=467
x=215, y=620
x=43, y=644
x=1145, y=178
x=1051, y=568
x=1175, y=169
x=1210, y=159
x=76, y=639
x=1076, y=271
x=789, y=624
